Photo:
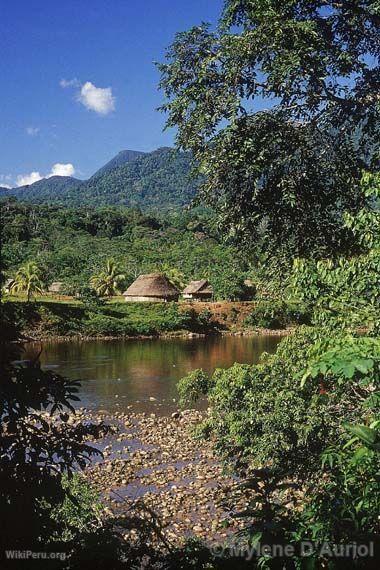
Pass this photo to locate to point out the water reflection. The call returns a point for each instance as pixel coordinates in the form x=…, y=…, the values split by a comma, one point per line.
x=118, y=373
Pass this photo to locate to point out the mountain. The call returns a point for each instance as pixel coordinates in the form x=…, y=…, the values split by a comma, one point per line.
x=121, y=158
x=158, y=180
x=154, y=181
x=43, y=190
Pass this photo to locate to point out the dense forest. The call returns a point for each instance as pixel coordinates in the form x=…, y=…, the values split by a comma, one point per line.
x=155, y=181
x=71, y=244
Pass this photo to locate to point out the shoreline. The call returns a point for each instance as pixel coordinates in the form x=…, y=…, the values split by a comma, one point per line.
x=27, y=336
x=157, y=460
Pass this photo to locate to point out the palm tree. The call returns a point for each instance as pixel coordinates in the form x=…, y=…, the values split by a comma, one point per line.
x=28, y=280
x=175, y=276
x=107, y=282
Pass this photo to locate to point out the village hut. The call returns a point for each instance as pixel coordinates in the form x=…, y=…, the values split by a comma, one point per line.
x=55, y=287
x=198, y=290
x=151, y=288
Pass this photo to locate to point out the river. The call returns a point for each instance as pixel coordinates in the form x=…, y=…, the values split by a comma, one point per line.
x=143, y=374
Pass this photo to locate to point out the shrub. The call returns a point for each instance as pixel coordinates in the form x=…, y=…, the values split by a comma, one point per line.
x=278, y=315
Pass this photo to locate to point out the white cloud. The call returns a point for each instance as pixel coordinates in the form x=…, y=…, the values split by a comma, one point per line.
x=5, y=186
x=58, y=169
x=97, y=99
x=24, y=179
x=32, y=131
x=69, y=83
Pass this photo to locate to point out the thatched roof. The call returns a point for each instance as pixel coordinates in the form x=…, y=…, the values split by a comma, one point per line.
x=202, y=286
x=151, y=285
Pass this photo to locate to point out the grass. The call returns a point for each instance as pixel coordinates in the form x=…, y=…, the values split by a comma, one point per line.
x=51, y=316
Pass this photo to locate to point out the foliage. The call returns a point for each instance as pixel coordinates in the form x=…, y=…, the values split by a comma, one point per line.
x=71, y=245
x=278, y=315
x=346, y=291
x=28, y=279
x=302, y=427
x=99, y=319
x=284, y=428
x=38, y=444
x=279, y=107
x=90, y=298
x=81, y=510
x=228, y=283
x=156, y=181
x=108, y=282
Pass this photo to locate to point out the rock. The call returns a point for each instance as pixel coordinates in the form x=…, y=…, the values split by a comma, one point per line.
x=176, y=415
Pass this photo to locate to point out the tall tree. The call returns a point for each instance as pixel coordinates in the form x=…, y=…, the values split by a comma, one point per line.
x=290, y=170
x=28, y=280
x=107, y=282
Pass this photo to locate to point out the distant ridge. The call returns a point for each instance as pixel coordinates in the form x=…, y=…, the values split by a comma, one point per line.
x=121, y=158
x=151, y=181
x=42, y=190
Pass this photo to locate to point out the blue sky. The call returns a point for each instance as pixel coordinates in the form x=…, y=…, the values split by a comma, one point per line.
x=104, y=51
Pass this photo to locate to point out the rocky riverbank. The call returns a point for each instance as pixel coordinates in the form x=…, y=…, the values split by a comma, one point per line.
x=157, y=461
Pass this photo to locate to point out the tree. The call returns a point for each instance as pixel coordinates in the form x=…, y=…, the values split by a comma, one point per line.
x=175, y=276
x=39, y=446
x=28, y=279
x=288, y=171
x=303, y=425
x=107, y=282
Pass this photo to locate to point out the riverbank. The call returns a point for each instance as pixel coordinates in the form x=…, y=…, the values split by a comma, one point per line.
x=54, y=320
x=156, y=462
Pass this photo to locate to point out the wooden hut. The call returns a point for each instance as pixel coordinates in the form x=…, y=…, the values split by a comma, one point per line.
x=151, y=288
x=198, y=290
x=55, y=287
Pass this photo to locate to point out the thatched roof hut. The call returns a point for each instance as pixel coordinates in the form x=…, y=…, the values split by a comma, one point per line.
x=55, y=287
x=200, y=290
x=153, y=287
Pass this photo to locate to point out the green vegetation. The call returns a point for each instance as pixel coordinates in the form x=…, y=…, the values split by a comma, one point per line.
x=155, y=181
x=278, y=315
x=28, y=279
x=107, y=283
x=93, y=318
x=298, y=217
x=72, y=245
x=304, y=424
x=302, y=427
x=283, y=175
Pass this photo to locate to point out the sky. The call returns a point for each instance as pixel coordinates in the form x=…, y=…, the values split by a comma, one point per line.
x=79, y=82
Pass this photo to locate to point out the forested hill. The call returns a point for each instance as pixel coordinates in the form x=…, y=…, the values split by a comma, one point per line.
x=45, y=190
x=123, y=157
x=155, y=181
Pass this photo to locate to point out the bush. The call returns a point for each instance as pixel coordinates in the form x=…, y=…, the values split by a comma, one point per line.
x=80, y=510
x=278, y=315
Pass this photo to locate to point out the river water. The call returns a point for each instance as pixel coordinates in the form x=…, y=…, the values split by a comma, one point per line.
x=143, y=373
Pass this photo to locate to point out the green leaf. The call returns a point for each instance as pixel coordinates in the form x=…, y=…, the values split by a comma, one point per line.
x=364, y=433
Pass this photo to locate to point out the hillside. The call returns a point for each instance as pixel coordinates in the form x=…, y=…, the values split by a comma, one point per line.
x=71, y=244
x=155, y=181
x=123, y=157
x=45, y=190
